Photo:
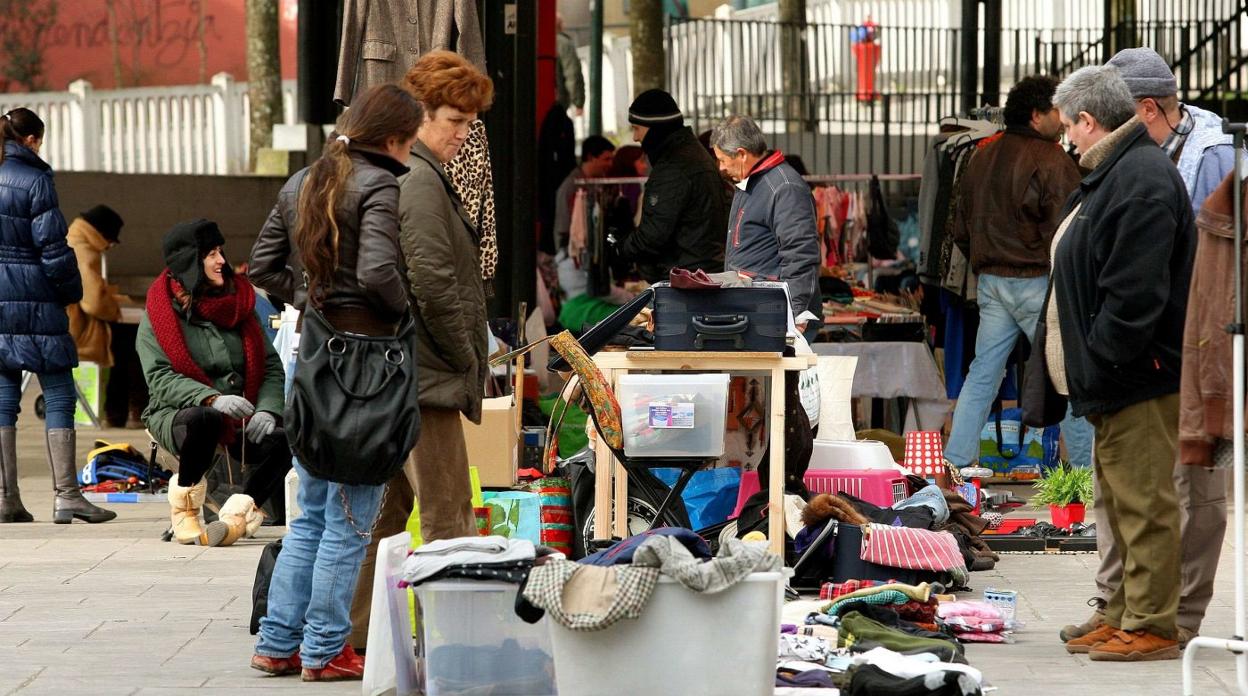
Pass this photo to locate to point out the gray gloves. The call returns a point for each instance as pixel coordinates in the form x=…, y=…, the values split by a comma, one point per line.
x=260, y=426
x=235, y=407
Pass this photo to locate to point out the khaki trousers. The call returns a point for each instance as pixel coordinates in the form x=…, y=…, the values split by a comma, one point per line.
x=436, y=474
x=1136, y=449
x=1202, y=528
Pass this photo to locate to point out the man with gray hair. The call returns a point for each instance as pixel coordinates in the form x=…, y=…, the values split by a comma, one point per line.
x=1204, y=155
x=771, y=228
x=1110, y=340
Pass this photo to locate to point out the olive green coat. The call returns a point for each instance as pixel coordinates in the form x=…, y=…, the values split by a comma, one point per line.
x=220, y=353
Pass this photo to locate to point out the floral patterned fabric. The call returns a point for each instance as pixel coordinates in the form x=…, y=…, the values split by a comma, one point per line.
x=606, y=409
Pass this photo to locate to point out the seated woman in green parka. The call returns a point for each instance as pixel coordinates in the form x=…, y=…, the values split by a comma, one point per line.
x=214, y=381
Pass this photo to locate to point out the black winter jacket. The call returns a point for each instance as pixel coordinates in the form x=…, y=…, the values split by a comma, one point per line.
x=684, y=208
x=38, y=270
x=370, y=281
x=1122, y=272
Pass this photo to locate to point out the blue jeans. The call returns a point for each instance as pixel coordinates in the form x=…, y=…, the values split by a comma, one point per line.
x=1008, y=307
x=59, y=398
x=315, y=577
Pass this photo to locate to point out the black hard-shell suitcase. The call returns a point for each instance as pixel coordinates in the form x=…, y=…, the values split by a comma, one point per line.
x=753, y=318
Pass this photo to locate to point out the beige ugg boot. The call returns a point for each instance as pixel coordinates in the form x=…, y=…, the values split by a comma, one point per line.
x=185, y=504
x=242, y=517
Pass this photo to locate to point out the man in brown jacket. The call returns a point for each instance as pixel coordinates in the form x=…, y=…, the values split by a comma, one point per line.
x=1015, y=186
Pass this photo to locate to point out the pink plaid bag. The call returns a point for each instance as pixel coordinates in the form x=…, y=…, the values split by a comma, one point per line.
x=925, y=453
x=911, y=548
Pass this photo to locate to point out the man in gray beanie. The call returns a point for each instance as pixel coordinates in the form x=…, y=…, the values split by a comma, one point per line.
x=1191, y=136
x=1204, y=155
x=684, y=210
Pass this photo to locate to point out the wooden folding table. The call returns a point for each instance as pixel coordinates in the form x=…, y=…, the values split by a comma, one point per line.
x=773, y=365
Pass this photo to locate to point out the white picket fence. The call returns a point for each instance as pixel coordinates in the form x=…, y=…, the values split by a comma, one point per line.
x=187, y=129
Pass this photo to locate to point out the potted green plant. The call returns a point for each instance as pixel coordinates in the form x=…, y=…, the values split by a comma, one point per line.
x=1066, y=490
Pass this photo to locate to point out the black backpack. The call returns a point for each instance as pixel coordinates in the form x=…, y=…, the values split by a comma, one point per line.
x=260, y=589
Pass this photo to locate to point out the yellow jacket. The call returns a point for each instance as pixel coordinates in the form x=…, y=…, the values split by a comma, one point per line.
x=88, y=320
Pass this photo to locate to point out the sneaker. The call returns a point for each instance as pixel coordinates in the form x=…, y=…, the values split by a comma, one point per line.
x=346, y=666
x=1084, y=644
x=1135, y=646
x=1186, y=635
x=1071, y=632
x=277, y=666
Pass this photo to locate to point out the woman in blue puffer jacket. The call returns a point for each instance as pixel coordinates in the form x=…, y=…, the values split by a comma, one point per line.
x=38, y=279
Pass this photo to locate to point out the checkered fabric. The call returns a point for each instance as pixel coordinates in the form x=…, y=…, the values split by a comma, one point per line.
x=832, y=590
x=887, y=598
x=545, y=590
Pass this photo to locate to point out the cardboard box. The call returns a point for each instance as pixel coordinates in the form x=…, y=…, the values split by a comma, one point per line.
x=493, y=445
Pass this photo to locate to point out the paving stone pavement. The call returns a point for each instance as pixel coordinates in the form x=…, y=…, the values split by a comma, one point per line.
x=110, y=609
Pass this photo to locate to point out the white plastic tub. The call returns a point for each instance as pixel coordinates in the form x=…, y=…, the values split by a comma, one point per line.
x=673, y=415
x=852, y=454
x=684, y=643
x=470, y=641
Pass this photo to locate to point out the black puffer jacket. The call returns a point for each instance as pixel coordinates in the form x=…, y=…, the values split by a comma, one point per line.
x=370, y=281
x=684, y=208
x=38, y=271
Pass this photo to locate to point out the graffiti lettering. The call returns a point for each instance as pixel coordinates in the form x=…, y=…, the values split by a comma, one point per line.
x=169, y=29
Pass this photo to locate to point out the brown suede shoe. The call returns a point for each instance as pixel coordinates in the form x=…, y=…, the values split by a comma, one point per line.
x=1072, y=631
x=1084, y=643
x=1186, y=635
x=1135, y=646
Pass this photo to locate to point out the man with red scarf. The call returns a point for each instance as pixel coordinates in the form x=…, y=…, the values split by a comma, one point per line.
x=214, y=380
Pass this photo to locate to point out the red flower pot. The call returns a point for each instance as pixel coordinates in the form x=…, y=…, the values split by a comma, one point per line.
x=1066, y=515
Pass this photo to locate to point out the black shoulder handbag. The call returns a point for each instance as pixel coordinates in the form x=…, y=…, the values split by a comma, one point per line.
x=352, y=413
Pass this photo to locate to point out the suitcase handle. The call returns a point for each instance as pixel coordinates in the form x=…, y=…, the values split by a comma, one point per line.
x=720, y=327
x=721, y=324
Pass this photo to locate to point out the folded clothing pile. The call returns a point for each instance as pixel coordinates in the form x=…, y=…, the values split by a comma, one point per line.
x=472, y=558
x=976, y=622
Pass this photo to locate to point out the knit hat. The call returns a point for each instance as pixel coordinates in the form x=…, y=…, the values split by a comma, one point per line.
x=654, y=107
x=1146, y=73
x=185, y=247
x=106, y=221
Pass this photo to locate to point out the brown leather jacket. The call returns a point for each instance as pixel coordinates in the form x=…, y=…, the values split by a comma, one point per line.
x=1008, y=209
x=1205, y=391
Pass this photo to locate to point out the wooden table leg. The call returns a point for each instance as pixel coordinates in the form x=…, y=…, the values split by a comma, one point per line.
x=604, y=463
x=621, y=501
x=775, y=435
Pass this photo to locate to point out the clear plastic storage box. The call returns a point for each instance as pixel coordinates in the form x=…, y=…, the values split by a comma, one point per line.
x=673, y=415
x=470, y=641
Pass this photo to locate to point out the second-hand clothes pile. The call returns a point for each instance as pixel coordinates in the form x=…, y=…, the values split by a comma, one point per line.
x=617, y=583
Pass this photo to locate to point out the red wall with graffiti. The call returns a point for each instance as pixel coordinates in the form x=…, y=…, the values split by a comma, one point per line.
x=157, y=42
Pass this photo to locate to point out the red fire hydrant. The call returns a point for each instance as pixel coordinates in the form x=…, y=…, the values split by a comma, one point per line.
x=867, y=56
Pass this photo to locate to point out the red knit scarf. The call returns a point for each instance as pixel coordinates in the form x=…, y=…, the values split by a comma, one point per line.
x=233, y=311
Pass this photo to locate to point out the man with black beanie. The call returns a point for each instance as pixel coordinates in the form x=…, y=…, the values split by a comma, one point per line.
x=685, y=206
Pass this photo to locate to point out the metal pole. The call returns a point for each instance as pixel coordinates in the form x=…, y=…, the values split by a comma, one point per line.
x=1236, y=645
x=595, y=68
x=992, y=52
x=970, y=55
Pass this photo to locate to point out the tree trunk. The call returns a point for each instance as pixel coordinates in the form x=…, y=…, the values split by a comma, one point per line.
x=792, y=16
x=264, y=75
x=649, y=56
x=114, y=43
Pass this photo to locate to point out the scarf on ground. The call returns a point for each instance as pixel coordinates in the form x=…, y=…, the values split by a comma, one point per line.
x=233, y=311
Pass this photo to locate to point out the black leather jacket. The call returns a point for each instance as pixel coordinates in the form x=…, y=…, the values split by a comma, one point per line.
x=370, y=280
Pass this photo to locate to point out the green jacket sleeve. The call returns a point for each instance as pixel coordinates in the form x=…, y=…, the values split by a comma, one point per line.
x=272, y=396
x=168, y=388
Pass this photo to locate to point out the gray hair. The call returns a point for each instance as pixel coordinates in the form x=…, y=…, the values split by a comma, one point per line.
x=1098, y=90
x=739, y=132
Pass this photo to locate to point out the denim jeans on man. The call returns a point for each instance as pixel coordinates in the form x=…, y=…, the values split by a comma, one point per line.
x=59, y=398
x=315, y=577
x=1007, y=307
